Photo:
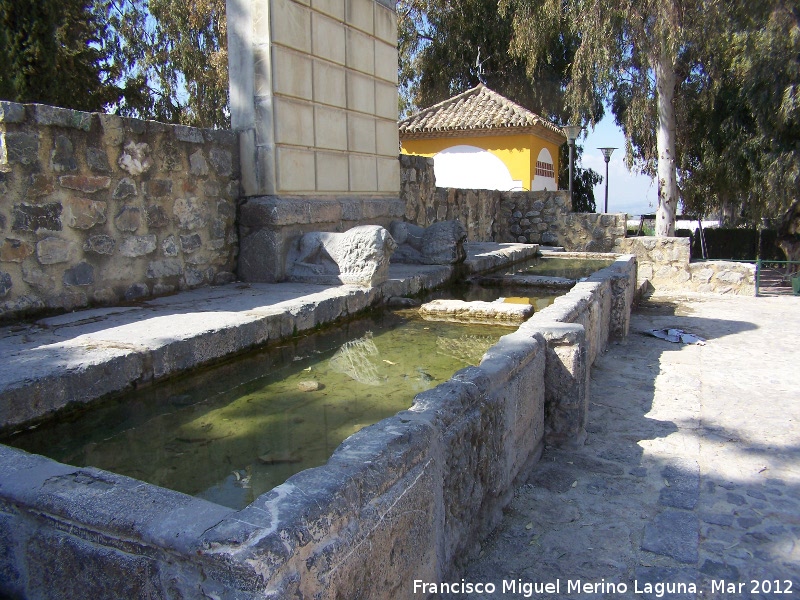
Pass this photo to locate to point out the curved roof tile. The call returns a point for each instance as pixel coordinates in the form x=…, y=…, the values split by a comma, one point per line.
x=477, y=108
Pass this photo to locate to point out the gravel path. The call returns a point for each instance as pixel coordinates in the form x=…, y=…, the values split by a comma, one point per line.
x=689, y=483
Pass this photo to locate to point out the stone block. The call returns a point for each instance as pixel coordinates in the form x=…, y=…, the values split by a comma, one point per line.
x=125, y=188
x=28, y=217
x=291, y=25
x=386, y=24
x=82, y=213
x=330, y=84
x=190, y=135
x=293, y=122
x=11, y=112
x=359, y=14
x=332, y=8
x=291, y=73
x=81, y=274
x=388, y=175
x=15, y=251
x=62, y=156
x=387, y=138
x=385, y=100
x=363, y=173
x=261, y=257
x=295, y=170
x=191, y=213
x=62, y=117
x=156, y=216
x=330, y=128
x=37, y=278
x=22, y=148
x=128, y=219
x=332, y=172
x=5, y=283
x=222, y=161
x=53, y=250
x=164, y=268
x=100, y=244
x=386, y=62
x=88, y=184
x=361, y=134
x=198, y=165
x=328, y=39
x=135, y=158
x=137, y=245
x=360, y=93
x=190, y=243
x=360, y=51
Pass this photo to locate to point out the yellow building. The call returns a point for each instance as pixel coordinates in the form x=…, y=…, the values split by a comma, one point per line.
x=482, y=140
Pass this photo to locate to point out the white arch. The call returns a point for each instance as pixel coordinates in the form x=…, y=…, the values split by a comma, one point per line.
x=470, y=167
x=540, y=181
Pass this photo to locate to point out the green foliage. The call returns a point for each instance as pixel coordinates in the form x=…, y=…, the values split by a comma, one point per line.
x=742, y=126
x=584, y=180
x=56, y=52
x=176, y=60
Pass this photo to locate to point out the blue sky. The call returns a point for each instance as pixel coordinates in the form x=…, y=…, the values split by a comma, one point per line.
x=627, y=191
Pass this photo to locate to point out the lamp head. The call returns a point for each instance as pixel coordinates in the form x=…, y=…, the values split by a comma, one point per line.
x=607, y=152
x=572, y=132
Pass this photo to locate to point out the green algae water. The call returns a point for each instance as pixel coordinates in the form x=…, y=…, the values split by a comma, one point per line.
x=551, y=266
x=234, y=431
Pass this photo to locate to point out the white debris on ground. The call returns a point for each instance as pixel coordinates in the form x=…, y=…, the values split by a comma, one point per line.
x=677, y=336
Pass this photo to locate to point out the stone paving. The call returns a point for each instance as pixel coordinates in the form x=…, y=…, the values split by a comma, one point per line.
x=690, y=474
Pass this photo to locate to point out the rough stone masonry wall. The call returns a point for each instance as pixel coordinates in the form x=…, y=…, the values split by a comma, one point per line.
x=665, y=263
x=100, y=209
x=490, y=215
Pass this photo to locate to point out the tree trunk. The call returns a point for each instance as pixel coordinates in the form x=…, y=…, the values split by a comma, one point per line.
x=665, y=143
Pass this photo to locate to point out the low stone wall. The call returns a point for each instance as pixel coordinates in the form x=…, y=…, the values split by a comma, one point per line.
x=99, y=209
x=490, y=215
x=665, y=264
x=403, y=499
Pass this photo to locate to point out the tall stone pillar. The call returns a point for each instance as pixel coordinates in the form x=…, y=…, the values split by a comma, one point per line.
x=313, y=87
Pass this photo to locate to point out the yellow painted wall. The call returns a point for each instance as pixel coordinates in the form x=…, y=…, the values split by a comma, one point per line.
x=518, y=152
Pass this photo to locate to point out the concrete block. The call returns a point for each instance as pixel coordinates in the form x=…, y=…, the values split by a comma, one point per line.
x=363, y=173
x=387, y=138
x=332, y=8
x=385, y=25
x=385, y=62
x=388, y=175
x=360, y=93
x=295, y=170
x=360, y=52
x=330, y=128
x=360, y=133
x=293, y=122
x=292, y=73
x=328, y=39
x=386, y=100
x=359, y=14
x=329, y=84
x=291, y=25
x=332, y=172
x=261, y=83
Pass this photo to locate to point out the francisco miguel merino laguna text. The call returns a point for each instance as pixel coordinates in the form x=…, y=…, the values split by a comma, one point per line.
x=572, y=586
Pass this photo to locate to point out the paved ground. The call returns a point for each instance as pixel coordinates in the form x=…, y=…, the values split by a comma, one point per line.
x=691, y=471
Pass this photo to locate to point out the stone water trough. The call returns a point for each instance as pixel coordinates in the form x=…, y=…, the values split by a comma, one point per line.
x=404, y=499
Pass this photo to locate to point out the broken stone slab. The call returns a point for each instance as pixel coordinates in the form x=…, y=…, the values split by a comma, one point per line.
x=359, y=256
x=476, y=312
x=440, y=244
x=525, y=281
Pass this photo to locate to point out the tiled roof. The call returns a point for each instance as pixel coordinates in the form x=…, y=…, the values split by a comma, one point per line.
x=476, y=109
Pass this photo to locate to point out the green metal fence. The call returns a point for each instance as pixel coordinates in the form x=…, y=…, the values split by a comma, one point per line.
x=777, y=277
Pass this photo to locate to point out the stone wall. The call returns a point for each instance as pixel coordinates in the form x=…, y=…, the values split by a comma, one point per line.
x=665, y=264
x=99, y=209
x=490, y=215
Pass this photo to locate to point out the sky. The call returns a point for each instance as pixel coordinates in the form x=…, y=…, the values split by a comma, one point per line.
x=627, y=192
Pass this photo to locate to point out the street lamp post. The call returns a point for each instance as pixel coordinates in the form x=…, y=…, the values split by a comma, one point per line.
x=607, y=152
x=572, y=132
